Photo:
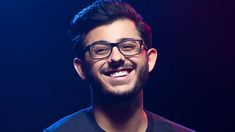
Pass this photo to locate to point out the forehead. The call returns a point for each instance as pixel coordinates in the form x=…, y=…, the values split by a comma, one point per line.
x=113, y=32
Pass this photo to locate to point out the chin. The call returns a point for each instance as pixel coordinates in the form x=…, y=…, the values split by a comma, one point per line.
x=117, y=93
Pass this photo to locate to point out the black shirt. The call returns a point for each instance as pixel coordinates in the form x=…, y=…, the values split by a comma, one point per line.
x=84, y=121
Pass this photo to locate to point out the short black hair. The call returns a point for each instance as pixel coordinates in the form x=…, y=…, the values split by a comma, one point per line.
x=103, y=12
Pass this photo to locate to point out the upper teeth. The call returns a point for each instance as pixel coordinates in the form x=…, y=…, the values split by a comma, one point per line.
x=120, y=73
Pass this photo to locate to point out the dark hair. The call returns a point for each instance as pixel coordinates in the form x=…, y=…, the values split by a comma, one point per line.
x=103, y=12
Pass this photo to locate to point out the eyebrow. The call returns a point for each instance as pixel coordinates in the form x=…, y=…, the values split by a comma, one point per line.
x=100, y=41
x=107, y=42
x=125, y=39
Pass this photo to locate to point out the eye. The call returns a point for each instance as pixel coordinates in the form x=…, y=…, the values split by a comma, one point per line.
x=128, y=46
x=100, y=49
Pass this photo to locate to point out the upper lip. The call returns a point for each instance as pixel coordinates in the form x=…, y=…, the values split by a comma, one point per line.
x=109, y=71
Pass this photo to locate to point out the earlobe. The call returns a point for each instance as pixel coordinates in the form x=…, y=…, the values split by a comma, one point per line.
x=152, y=57
x=78, y=65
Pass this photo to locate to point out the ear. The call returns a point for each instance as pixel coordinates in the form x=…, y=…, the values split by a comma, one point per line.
x=78, y=65
x=152, y=57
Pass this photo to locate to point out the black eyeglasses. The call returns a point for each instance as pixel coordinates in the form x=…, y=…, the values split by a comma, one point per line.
x=103, y=49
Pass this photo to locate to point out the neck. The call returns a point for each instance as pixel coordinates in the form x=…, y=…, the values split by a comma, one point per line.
x=120, y=116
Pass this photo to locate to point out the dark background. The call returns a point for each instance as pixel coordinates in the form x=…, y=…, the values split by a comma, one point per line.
x=193, y=82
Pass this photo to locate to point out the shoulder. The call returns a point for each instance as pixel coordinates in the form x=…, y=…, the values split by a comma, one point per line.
x=76, y=121
x=162, y=124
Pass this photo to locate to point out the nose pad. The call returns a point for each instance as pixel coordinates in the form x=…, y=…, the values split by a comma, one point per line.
x=116, y=58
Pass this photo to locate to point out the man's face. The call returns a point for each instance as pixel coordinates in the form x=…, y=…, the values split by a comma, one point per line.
x=117, y=75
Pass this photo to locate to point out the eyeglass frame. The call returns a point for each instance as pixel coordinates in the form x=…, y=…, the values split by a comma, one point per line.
x=140, y=41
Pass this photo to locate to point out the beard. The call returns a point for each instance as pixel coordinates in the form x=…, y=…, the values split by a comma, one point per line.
x=98, y=88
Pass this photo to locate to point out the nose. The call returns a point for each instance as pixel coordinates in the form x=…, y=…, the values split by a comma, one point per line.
x=116, y=58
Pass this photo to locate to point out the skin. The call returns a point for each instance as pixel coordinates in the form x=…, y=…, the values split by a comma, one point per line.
x=117, y=101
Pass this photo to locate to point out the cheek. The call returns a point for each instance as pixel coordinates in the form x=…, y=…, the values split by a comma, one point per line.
x=93, y=68
x=142, y=59
x=90, y=63
x=142, y=65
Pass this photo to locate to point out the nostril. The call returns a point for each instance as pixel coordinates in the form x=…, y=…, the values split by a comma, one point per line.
x=115, y=64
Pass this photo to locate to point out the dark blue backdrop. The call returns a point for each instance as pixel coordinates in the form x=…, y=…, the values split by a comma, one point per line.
x=193, y=83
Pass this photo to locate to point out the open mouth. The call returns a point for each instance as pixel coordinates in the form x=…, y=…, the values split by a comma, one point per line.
x=118, y=72
x=119, y=76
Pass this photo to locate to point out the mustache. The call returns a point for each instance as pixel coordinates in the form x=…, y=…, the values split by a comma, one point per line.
x=125, y=66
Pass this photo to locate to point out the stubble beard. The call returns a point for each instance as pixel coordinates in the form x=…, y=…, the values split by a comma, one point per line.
x=98, y=90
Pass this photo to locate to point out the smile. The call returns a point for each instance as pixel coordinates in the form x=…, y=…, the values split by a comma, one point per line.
x=118, y=72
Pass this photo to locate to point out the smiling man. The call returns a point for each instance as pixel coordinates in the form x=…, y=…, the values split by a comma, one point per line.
x=114, y=56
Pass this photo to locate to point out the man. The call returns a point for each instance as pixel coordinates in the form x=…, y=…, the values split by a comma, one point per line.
x=114, y=56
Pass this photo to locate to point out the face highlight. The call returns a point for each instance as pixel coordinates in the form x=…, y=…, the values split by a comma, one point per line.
x=117, y=76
